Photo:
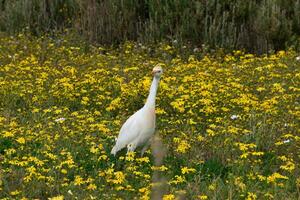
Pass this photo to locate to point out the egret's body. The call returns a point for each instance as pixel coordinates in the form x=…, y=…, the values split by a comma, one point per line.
x=140, y=127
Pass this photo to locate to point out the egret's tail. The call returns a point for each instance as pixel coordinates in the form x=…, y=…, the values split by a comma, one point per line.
x=114, y=150
x=117, y=148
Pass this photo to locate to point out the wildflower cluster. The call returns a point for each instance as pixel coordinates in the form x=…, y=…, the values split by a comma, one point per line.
x=230, y=123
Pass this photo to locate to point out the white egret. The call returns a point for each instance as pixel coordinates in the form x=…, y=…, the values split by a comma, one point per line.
x=139, y=128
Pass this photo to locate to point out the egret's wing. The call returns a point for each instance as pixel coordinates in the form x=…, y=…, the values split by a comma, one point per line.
x=129, y=131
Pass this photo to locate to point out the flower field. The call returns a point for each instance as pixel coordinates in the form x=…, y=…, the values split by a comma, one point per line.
x=227, y=124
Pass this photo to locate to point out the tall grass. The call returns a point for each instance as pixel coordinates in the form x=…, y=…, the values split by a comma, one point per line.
x=257, y=26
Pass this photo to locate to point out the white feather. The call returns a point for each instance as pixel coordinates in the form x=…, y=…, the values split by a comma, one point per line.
x=140, y=127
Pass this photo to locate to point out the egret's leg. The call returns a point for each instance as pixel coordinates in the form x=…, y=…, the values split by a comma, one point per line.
x=131, y=147
x=144, y=149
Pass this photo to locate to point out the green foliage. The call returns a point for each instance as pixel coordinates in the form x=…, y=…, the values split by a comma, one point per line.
x=37, y=16
x=257, y=26
x=213, y=168
x=228, y=123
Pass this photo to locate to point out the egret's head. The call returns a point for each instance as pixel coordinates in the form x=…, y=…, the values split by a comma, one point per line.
x=157, y=71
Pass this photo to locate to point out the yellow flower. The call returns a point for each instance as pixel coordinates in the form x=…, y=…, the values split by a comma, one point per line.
x=200, y=138
x=202, y=197
x=143, y=190
x=258, y=153
x=114, y=104
x=8, y=134
x=212, y=187
x=74, y=102
x=144, y=159
x=103, y=157
x=14, y=193
x=272, y=178
x=251, y=196
x=119, y=188
x=178, y=104
x=177, y=180
x=58, y=111
x=169, y=197
x=91, y=187
x=161, y=168
x=261, y=177
x=61, y=197
x=298, y=182
x=183, y=146
x=289, y=166
x=78, y=180
x=35, y=110
x=97, y=113
x=94, y=149
x=239, y=183
x=186, y=170
x=210, y=132
x=21, y=140
x=130, y=156
x=119, y=177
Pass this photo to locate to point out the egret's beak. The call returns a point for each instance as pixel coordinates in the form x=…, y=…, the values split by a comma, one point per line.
x=153, y=72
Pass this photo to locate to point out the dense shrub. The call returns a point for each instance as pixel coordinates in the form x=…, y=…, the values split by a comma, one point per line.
x=259, y=26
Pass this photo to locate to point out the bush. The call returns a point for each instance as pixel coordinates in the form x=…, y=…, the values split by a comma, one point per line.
x=258, y=26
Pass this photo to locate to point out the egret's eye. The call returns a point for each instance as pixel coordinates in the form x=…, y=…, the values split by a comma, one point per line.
x=159, y=71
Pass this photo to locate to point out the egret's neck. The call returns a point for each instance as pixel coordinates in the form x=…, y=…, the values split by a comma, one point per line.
x=150, y=103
